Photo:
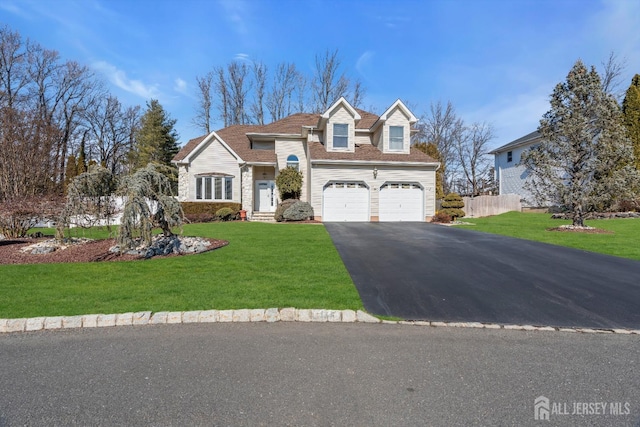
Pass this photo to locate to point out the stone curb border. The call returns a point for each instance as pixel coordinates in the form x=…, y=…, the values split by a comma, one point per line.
x=269, y=315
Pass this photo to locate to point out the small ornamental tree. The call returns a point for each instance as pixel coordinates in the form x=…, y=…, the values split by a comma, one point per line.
x=289, y=183
x=149, y=203
x=452, y=205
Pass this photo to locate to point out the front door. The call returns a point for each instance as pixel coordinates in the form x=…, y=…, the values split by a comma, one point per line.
x=265, y=196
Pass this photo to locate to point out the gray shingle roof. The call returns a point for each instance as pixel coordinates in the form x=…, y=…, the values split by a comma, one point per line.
x=530, y=137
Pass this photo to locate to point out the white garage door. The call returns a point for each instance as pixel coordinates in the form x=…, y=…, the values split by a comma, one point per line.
x=401, y=202
x=345, y=201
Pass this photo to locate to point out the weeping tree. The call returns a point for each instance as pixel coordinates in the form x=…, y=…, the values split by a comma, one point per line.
x=149, y=203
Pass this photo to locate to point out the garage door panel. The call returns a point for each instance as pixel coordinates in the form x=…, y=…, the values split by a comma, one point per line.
x=345, y=202
x=401, y=202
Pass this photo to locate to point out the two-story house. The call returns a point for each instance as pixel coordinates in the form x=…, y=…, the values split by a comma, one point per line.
x=510, y=175
x=356, y=166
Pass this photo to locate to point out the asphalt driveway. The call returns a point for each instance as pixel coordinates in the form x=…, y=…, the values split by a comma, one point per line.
x=423, y=271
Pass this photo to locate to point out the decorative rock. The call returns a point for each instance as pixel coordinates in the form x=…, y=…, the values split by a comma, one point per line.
x=318, y=316
x=457, y=324
x=241, y=315
x=406, y=322
x=366, y=317
x=34, y=324
x=51, y=323
x=141, y=318
x=72, y=322
x=529, y=328
x=513, y=327
x=567, y=330
x=622, y=331
x=389, y=322
x=420, y=323
x=16, y=325
x=476, y=325
x=272, y=315
x=106, y=320
x=208, y=316
x=334, y=316
x=225, y=316
x=546, y=328
x=3, y=326
x=90, y=321
x=159, y=318
x=348, y=316
x=174, y=317
x=190, y=316
x=304, y=315
x=288, y=314
x=124, y=319
x=438, y=324
x=256, y=315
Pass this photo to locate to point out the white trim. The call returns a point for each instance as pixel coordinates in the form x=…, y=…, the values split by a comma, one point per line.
x=384, y=116
x=372, y=162
x=348, y=106
x=208, y=139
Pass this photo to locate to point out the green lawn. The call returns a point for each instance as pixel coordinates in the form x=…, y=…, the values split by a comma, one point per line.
x=264, y=265
x=624, y=242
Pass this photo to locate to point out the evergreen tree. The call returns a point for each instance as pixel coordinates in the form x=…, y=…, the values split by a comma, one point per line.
x=71, y=170
x=631, y=116
x=81, y=162
x=156, y=139
x=582, y=161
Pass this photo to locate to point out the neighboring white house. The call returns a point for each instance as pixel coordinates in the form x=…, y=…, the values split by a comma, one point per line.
x=509, y=173
x=356, y=166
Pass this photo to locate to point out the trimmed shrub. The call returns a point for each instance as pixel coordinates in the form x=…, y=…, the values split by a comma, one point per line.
x=452, y=204
x=283, y=206
x=225, y=214
x=299, y=211
x=206, y=211
x=441, y=217
x=289, y=183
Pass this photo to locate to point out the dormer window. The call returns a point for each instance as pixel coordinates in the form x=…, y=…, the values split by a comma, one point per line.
x=396, y=138
x=340, y=135
x=293, y=162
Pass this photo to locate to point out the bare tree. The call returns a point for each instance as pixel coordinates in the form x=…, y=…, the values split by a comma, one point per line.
x=260, y=80
x=301, y=93
x=473, y=152
x=238, y=88
x=328, y=83
x=279, y=97
x=13, y=67
x=205, y=102
x=612, y=69
x=358, y=93
x=111, y=128
x=222, y=91
x=444, y=128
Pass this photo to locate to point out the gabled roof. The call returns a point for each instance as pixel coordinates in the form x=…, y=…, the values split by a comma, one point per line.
x=527, y=139
x=400, y=105
x=345, y=103
x=237, y=138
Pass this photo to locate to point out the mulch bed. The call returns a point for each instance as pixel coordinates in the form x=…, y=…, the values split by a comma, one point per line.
x=94, y=251
x=580, y=230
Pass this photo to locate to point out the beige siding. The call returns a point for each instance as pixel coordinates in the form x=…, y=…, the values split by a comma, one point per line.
x=363, y=138
x=378, y=137
x=322, y=174
x=340, y=115
x=397, y=118
x=214, y=158
x=284, y=148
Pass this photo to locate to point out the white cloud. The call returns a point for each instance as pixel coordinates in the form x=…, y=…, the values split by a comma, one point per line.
x=13, y=8
x=242, y=57
x=120, y=79
x=364, y=62
x=180, y=86
x=235, y=11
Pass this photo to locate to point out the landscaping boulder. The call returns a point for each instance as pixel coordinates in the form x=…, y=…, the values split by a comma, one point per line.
x=299, y=211
x=283, y=206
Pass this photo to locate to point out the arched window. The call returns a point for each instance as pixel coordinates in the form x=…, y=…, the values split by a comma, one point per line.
x=293, y=162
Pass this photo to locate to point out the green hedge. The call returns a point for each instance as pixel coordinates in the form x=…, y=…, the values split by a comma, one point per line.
x=206, y=211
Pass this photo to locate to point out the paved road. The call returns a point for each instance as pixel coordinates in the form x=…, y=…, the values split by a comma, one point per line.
x=312, y=374
x=427, y=271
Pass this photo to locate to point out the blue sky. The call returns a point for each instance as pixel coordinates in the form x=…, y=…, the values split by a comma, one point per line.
x=496, y=60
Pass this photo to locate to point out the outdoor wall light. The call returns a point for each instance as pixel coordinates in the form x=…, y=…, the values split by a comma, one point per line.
x=375, y=172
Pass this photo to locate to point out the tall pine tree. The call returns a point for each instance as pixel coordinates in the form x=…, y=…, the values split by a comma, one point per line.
x=631, y=116
x=582, y=162
x=156, y=139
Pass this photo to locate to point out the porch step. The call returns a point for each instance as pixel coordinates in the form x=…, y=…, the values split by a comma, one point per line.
x=263, y=217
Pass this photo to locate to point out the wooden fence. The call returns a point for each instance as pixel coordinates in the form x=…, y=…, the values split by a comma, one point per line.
x=480, y=206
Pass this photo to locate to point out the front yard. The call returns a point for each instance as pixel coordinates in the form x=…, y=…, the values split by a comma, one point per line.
x=264, y=265
x=624, y=241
